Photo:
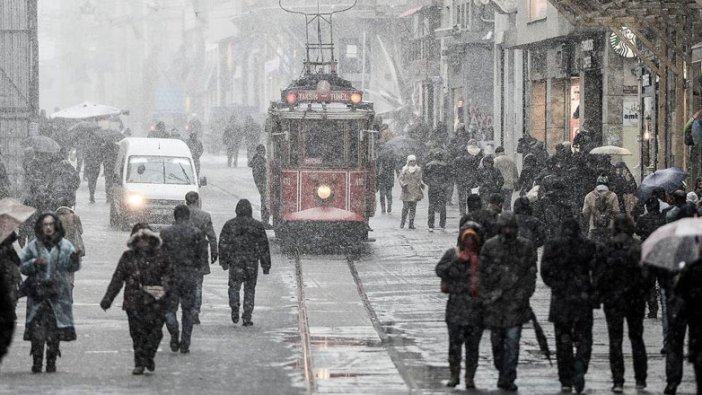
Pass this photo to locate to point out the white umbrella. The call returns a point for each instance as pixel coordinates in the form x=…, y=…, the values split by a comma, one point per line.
x=610, y=150
x=12, y=215
x=87, y=110
x=671, y=244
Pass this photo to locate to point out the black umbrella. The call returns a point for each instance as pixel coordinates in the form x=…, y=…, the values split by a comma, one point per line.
x=669, y=179
x=541, y=337
x=42, y=144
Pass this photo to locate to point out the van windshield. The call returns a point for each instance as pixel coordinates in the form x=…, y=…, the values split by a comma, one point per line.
x=160, y=170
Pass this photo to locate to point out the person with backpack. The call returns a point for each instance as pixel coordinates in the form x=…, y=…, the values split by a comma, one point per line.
x=243, y=244
x=622, y=286
x=600, y=207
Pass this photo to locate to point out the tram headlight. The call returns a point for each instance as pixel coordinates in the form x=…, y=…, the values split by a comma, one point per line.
x=324, y=192
x=135, y=201
x=291, y=98
x=356, y=98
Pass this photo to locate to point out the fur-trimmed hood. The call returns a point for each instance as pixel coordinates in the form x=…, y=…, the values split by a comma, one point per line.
x=154, y=238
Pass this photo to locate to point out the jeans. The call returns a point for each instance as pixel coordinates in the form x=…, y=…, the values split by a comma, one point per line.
x=385, y=194
x=184, y=295
x=437, y=202
x=146, y=330
x=578, y=334
x=249, y=284
x=634, y=314
x=505, y=353
x=469, y=335
x=507, y=195
x=675, y=341
x=408, y=208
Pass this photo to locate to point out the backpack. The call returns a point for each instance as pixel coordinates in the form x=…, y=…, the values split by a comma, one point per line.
x=601, y=216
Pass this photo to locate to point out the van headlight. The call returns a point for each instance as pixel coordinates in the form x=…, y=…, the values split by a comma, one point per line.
x=135, y=200
x=324, y=192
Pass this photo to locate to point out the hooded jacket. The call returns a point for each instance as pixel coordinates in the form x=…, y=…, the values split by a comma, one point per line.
x=589, y=206
x=507, y=277
x=508, y=169
x=140, y=267
x=462, y=307
x=243, y=243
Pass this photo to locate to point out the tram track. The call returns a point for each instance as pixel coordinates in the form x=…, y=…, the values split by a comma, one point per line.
x=385, y=342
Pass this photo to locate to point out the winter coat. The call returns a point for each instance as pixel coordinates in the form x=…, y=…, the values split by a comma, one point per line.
x=59, y=269
x=508, y=170
x=203, y=221
x=232, y=135
x=465, y=169
x=437, y=175
x=648, y=223
x=73, y=228
x=461, y=308
x=385, y=169
x=552, y=210
x=619, y=278
x=10, y=279
x=411, y=184
x=195, y=146
x=685, y=210
x=259, y=169
x=184, y=247
x=137, y=268
x=590, y=207
x=532, y=229
x=489, y=181
x=65, y=184
x=243, y=243
x=689, y=289
x=507, y=281
x=567, y=265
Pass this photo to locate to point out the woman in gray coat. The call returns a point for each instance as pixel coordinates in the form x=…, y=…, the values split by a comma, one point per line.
x=412, y=190
x=48, y=261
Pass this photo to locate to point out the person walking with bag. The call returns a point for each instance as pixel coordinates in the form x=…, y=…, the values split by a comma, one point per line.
x=146, y=276
x=202, y=220
x=48, y=261
x=410, y=180
x=243, y=243
x=458, y=269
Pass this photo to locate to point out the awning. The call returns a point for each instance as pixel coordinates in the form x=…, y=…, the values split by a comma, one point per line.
x=411, y=11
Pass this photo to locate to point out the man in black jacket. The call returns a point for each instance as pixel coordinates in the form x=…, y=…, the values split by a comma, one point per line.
x=483, y=217
x=465, y=167
x=645, y=226
x=622, y=287
x=243, y=243
x=259, y=170
x=566, y=267
x=507, y=274
x=202, y=220
x=437, y=176
x=184, y=247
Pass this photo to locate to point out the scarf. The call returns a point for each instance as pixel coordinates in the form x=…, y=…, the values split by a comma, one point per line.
x=470, y=255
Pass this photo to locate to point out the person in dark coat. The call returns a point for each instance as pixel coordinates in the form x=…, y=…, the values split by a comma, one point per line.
x=9, y=281
x=622, y=287
x=554, y=208
x=142, y=267
x=65, y=183
x=458, y=269
x=202, y=220
x=436, y=176
x=507, y=274
x=567, y=267
x=195, y=145
x=645, y=226
x=681, y=208
x=490, y=179
x=232, y=138
x=465, y=168
x=243, y=244
x=689, y=289
x=48, y=261
x=93, y=159
x=252, y=134
x=385, y=178
x=159, y=131
x=183, y=246
x=258, y=165
x=530, y=227
x=110, y=152
x=528, y=175
x=483, y=217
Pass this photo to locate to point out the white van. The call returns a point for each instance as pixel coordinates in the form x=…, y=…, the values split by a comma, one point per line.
x=151, y=177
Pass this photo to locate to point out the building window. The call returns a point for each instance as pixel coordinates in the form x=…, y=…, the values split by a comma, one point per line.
x=537, y=9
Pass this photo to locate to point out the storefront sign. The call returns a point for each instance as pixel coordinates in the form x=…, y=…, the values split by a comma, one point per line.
x=630, y=111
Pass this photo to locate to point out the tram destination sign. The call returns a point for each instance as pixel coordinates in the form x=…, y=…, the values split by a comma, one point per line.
x=329, y=96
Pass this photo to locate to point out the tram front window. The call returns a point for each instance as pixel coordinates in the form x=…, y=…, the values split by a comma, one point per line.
x=330, y=144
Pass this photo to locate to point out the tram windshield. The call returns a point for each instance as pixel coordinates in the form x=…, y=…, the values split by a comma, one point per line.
x=324, y=143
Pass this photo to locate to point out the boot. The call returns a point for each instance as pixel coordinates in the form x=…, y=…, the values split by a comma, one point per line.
x=38, y=360
x=389, y=207
x=411, y=224
x=455, y=375
x=382, y=207
x=51, y=353
x=470, y=374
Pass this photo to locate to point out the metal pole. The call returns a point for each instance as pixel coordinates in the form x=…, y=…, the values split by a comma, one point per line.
x=363, y=67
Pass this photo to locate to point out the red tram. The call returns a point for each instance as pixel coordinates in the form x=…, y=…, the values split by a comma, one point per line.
x=321, y=160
